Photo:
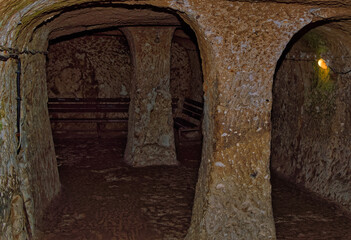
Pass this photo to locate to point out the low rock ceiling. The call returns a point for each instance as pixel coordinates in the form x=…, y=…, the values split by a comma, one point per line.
x=99, y=18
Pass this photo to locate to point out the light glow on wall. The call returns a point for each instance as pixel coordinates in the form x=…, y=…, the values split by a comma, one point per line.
x=322, y=64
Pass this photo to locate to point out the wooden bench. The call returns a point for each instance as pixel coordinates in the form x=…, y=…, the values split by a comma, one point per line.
x=99, y=111
x=188, y=126
x=87, y=116
x=59, y=107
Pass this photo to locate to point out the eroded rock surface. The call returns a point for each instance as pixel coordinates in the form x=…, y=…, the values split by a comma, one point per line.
x=240, y=43
x=150, y=124
x=311, y=138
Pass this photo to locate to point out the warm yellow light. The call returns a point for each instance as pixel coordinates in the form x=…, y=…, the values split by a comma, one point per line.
x=322, y=64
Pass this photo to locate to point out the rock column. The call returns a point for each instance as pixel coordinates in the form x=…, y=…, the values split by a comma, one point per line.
x=150, y=126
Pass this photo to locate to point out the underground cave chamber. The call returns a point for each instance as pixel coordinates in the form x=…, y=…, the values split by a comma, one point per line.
x=233, y=193
x=311, y=133
x=97, y=81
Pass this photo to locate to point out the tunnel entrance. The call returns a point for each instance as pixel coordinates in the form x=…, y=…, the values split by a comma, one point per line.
x=310, y=150
x=91, y=101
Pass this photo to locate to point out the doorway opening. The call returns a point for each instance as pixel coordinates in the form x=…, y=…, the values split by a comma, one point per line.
x=89, y=79
x=311, y=122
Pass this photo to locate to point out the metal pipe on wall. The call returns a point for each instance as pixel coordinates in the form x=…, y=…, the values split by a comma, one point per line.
x=18, y=98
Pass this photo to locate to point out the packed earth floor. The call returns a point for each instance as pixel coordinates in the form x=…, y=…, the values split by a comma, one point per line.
x=103, y=198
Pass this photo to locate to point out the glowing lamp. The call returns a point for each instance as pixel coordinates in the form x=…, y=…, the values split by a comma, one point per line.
x=322, y=64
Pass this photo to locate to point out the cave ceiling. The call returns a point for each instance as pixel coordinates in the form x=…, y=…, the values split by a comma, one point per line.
x=106, y=17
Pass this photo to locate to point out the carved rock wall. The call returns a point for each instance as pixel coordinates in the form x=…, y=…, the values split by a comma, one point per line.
x=150, y=124
x=29, y=179
x=95, y=66
x=311, y=117
x=99, y=65
x=240, y=44
x=9, y=166
x=180, y=77
x=38, y=167
x=89, y=66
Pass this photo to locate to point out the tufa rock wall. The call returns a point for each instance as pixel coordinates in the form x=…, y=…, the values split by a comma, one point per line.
x=311, y=117
x=100, y=66
x=29, y=179
x=12, y=216
x=37, y=159
x=240, y=44
x=95, y=66
x=150, y=125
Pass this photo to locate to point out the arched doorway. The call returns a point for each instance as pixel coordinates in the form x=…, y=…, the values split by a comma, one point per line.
x=310, y=140
x=99, y=189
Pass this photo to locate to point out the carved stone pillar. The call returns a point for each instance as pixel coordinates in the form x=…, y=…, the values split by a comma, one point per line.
x=150, y=126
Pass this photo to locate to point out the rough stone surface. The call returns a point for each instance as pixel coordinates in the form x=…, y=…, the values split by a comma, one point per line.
x=311, y=135
x=240, y=43
x=29, y=180
x=98, y=65
x=18, y=218
x=9, y=185
x=150, y=124
x=89, y=18
x=92, y=66
x=37, y=160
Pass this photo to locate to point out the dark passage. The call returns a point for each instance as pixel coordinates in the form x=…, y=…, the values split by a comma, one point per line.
x=311, y=136
x=102, y=198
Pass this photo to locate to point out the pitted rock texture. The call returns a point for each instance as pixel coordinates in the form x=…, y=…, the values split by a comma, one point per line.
x=92, y=66
x=150, y=124
x=29, y=176
x=311, y=118
x=240, y=43
x=9, y=166
x=37, y=160
x=186, y=71
x=180, y=71
x=98, y=65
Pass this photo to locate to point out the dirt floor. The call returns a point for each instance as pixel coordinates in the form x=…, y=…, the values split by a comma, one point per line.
x=301, y=215
x=103, y=198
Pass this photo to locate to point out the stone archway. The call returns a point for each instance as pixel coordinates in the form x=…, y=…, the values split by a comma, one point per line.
x=47, y=182
x=240, y=43
x=310, y=114
x=71, y=86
